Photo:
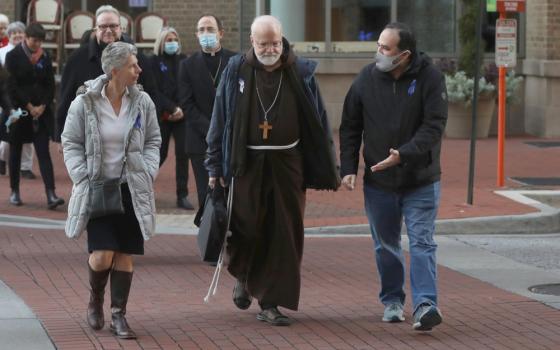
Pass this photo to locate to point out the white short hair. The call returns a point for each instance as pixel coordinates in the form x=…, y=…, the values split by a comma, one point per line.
x=115, y=56
x=15, y=27
x=266, y=20
x=4, y=18
x=107, y=8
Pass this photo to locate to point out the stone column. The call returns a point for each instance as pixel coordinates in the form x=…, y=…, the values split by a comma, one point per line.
x=541, y=68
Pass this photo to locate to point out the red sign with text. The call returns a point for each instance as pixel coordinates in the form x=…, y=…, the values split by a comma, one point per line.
x=511, y=5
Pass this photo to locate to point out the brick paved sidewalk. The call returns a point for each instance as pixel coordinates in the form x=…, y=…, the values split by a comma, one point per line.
x=338, y=307
x=345, y=207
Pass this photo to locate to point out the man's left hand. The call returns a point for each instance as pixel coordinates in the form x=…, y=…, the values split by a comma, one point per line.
x=393, y=159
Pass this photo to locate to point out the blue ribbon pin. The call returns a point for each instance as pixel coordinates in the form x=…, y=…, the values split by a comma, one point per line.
x=138, y=122
x=412, y=88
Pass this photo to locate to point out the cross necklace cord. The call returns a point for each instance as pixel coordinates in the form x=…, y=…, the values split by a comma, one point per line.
x=215, y=76
x=266, y=126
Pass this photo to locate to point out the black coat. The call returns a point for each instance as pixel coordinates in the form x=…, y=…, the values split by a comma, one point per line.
x=166, y=73
x=5, y=103
x=28, y=83
x=407, y=114
x=85, y=64
x=196, y=97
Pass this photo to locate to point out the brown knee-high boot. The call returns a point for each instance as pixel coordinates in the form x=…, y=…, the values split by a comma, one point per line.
x=120, y=288
x=97, y=282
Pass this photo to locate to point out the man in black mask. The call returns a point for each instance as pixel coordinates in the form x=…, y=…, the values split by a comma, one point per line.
x=85, y=63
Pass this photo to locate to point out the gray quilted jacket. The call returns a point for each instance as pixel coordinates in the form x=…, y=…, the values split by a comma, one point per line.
x=82, y=155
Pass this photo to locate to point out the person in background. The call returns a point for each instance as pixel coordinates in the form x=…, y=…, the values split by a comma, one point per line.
x=107, y=111
x=4, y=22
x=199, y=77
x=16, y=34
x=85, y=63
x=165, y=67
x=31, y=86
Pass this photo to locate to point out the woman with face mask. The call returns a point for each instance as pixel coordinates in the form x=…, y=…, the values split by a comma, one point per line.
x=165, y=66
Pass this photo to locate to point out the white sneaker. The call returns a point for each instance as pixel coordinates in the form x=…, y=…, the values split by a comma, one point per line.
x=426, y=317
x=393, y=313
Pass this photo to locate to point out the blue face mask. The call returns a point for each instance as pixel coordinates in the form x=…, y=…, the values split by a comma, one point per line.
x=208, y=41
x=171, y=47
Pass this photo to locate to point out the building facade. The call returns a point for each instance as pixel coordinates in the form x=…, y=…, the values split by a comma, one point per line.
x=341, y=35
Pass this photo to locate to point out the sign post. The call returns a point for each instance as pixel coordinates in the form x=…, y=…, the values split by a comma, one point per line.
x=506, y=57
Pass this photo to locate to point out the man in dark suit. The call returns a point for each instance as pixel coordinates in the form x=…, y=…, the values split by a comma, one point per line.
x=199, y=75
x=85, y=63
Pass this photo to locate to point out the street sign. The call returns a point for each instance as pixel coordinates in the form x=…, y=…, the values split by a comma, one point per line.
x=506, y=42
x=511, y=5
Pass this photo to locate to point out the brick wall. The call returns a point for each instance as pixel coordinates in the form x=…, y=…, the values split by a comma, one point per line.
x=7, y=7
x=543, y=29
x=183, y=15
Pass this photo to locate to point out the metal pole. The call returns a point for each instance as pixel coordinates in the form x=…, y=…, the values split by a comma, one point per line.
x=475, y=101
x=501, y=119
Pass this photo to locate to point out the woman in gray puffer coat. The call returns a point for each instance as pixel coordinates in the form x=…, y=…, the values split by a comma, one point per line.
x=108, y=112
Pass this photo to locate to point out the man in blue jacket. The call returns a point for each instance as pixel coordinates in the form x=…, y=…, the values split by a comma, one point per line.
x=398, y=107
x=269, y=139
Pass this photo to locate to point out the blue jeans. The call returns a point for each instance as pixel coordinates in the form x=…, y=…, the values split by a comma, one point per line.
x=385, y=211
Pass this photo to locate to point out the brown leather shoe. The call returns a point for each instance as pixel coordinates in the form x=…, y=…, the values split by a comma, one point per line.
x=241, y=297
x=97, y=282
x=120, y=288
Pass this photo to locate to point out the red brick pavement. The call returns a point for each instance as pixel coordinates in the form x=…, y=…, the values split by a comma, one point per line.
x=345, y=207
x=338, y=308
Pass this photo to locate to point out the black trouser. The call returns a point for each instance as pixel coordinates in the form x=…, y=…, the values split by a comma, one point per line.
x=41, y=143
x=177, y=130
x=200, y=175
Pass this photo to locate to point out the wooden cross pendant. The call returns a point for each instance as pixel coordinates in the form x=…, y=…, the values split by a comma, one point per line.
x=265, y=128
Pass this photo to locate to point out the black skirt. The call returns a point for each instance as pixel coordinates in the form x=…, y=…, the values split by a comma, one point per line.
x=120, y=233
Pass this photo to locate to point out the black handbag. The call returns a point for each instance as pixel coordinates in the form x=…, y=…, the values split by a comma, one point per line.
x=212, y=220
x=105, y=198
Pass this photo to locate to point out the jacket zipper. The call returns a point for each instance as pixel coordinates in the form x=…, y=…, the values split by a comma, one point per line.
x=394, y=87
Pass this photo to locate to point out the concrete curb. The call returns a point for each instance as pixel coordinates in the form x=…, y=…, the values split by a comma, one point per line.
x=547, y=220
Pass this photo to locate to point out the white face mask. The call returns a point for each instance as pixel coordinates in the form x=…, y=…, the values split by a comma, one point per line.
x=386, y=63
x=268, y=60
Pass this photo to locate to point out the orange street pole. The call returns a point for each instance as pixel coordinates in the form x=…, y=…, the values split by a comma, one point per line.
x=501, y=119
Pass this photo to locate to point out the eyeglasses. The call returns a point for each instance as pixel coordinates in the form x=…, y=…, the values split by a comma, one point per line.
x=275, y=45
x=112, y=26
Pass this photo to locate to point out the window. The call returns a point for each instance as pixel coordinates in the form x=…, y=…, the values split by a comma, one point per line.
x=356, y=25
x=303, y=23
x=353, y=26
x=432, y=21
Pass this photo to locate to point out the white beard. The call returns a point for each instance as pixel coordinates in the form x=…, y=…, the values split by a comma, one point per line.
x=268, y=60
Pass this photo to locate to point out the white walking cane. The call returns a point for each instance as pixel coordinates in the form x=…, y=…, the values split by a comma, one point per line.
x=215, y=279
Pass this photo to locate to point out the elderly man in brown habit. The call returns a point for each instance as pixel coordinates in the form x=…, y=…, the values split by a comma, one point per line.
x=269, y=137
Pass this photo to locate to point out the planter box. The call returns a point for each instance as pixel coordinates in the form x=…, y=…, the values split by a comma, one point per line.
x=459, y=119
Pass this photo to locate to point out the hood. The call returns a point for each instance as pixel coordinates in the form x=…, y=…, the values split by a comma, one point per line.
x=95, y=86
